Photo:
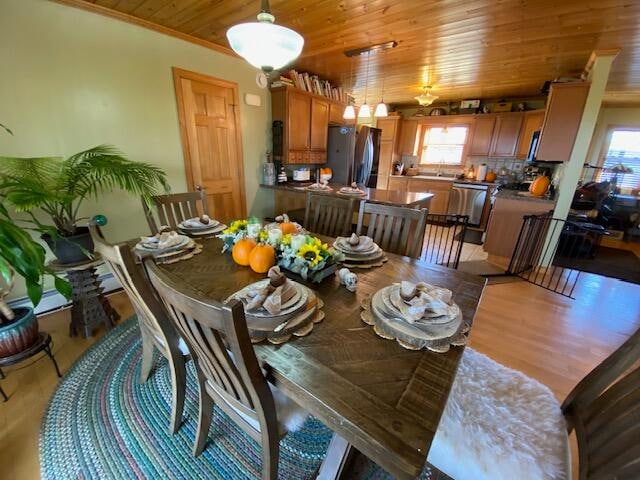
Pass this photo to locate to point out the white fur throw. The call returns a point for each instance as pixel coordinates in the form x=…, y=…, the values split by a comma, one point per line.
x=500, y=424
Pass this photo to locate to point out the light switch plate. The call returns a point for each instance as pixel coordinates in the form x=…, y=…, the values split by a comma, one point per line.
x=252, y=99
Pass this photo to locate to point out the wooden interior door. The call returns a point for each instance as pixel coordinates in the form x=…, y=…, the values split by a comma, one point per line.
x=210, y=131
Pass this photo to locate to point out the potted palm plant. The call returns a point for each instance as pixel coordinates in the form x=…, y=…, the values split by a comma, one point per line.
x=59, y=186
x=20, y=254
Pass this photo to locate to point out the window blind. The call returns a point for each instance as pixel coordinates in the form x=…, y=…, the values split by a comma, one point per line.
x=624, y=148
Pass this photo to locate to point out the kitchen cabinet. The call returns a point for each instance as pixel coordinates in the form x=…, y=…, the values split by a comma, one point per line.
x=335, y=114
x=388, y=148
x=408, y=134
x=441, y=190
x=565, y=106
x=482, y=136
x=531, y=123
x=505, y=134
x=398, y=183
x=305, y=120
x=319, y=124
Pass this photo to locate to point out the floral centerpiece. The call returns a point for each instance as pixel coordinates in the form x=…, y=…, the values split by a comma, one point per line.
x=307, y=256
x=299, y=253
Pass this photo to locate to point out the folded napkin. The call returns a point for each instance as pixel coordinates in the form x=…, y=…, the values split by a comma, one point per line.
x=421, y=300
x=162, y=240
x=199, y=222
x=271, y=296
x=355, y=243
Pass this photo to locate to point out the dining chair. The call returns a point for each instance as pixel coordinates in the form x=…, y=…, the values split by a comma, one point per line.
x=500, y=424
x=156, y=329
x=175, y=208
x=444, y=239
x=227, y=369
x=395, y=229
x=329, y=215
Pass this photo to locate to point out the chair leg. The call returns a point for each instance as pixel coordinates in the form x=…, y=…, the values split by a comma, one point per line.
x=178, y=386
x=270, y=456
x=205, y=414
x=147, y=356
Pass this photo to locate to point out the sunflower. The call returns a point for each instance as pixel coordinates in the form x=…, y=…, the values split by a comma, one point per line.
x=286, y=239
x=311, y=253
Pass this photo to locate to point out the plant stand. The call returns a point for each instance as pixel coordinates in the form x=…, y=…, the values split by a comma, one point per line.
x=42, y=344
x=90, y=308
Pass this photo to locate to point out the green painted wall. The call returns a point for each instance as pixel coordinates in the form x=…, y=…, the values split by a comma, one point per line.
x=73, y=79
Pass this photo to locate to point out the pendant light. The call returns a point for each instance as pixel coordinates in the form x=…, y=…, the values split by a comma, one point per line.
x=426, y=98
x=264, y=44
x=365, y=111
x=349, y=111
x=381, y=108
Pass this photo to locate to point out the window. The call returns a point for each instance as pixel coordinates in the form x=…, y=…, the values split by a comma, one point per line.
x=443, y=145
x=623, y=148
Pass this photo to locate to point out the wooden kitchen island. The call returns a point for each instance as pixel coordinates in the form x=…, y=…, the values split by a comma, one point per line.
x=291, y=198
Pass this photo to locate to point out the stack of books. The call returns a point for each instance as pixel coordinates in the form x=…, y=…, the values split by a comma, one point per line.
x=313, y=84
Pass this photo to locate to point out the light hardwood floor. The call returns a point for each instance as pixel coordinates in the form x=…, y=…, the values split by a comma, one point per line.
x=551, y=338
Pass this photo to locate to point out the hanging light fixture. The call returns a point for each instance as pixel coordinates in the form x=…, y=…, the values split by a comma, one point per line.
x=365, y=110
x=381, y=108
x=264, y=44
x=349, y=111
x=426, y=98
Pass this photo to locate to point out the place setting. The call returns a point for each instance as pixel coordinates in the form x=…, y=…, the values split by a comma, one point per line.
x=168, y=246
x=352, y=190
x=359, y=251
x=278, y=308
x=201, y=227
x=416, y=315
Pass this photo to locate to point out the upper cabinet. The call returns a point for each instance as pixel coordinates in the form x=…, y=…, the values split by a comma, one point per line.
x=319, y=124
x=305, y=120
x=408, y=135
x=531, y=123
x=482, y=136
x=565, y=106
x=496, y=135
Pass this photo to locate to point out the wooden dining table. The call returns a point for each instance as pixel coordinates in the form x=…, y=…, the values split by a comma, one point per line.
x=382, y=399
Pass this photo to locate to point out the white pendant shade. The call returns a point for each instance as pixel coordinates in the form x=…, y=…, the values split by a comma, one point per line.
x=381, y=110
x=264, y=44
x=365, y=111
x=349, y=113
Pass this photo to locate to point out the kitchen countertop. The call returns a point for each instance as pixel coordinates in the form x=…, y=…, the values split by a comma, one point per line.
x=374, y=195
x=446, y=179
x=525, y=196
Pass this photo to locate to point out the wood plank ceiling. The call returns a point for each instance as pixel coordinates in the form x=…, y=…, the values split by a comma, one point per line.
x=464, y=48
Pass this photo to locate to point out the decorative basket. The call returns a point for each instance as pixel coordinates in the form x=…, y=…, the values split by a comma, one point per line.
x=313, y=276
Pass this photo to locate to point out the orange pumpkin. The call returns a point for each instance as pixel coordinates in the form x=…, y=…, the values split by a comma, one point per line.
x=491, y=176
x=288, y=227
x=242, y=250
x=539, y=186
x=262, y=258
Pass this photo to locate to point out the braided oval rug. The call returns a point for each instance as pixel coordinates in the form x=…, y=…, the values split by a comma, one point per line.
x=102, y=424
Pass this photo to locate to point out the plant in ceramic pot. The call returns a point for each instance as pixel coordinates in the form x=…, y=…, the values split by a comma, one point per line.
x=59, y=186
x=20, y=254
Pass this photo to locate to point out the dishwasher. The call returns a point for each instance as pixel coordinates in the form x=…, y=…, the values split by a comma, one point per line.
x=468, y=199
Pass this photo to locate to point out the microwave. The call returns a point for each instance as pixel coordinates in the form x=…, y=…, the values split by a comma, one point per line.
x=533, y=146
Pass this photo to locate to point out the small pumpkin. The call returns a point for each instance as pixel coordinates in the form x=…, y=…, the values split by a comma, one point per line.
x=262, y=258
x=491, y=176
x=242, y=250
x=288, y=227
x=539, y=186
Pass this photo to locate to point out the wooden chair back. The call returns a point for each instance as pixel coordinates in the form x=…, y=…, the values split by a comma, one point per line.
x=604, y=411
x=329, y=215
x=151, y=314
x=444, y=237
x=175, y=208
x=395, y=229
x=219, y=342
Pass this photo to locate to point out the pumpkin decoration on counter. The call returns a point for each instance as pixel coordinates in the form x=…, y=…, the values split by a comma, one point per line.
x=262, y=258
x=491, y=176
x=539, y=186
x=242, y=250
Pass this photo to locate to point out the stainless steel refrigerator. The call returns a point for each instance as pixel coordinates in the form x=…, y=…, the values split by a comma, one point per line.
x=354, y=156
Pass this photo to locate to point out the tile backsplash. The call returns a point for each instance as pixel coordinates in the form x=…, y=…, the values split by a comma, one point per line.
x=514, y=166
